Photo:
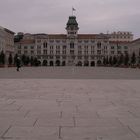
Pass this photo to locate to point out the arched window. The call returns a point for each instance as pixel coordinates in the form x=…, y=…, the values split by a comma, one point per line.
x=99, y=45
x=45, y=44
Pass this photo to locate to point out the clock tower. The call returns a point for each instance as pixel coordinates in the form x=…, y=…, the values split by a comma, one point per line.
x=72, y=27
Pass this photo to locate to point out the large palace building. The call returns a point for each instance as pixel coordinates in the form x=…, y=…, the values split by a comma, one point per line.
x=73, y=48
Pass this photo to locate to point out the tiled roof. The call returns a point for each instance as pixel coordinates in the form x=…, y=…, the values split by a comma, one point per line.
x=136, y=40
x=92, y=36
x=9, y=31
x=27, y=41
x=57, y=36
x=119, y=42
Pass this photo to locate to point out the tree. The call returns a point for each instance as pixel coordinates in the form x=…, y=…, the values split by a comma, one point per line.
x=139, y=58
x=107, y=61
x=110, y=60
x=114, y=60
x=126, y=59
x=104, y=61
x=133, y=58
x=32, y=61
x=2, y=58
x=15, y=58
x=121, y=60
x=27, y=60
x=23, y=59
x=10, y=59
x=35, y=61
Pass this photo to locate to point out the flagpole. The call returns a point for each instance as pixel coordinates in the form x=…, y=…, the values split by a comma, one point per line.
x=73, y=10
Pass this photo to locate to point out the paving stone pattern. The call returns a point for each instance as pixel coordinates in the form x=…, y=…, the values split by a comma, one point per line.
x=69, y=109
x=70, y=73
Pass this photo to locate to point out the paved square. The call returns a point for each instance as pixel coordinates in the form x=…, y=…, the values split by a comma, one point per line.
x=69, y=109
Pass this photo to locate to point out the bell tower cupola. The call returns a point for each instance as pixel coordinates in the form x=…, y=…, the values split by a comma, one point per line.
x=72, y=27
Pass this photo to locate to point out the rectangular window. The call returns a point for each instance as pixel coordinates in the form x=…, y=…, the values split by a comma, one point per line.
x=125, y=47
x=79, y=57
x=38, y=47
x=112, y=52
x=79, y=47
x=38, y=41
x=32, y=47
x=71, y=51
x=51, y=41
x=118, y=47
x=126, y=52
x=51, y=57
x=86, y=41
x=57, y=41
x=57, y=52
x=58, y=47
x=98, y=51
x=51, y=47
x=92, y=48
x=57, y=57
x=19, y=51
x=86, y=48
x=25, y=47
x=32, y=52
x=44, y=51
x=19, y=47
x=119, y=52
x=64, y=52
x=63, y=57
x=92, y=52
x=64, y=47
x=86, y=52
x=79, y=52
x=85, y=57
x=25, y=52
x=51, y=52
x=79, y=41
x=38, y=52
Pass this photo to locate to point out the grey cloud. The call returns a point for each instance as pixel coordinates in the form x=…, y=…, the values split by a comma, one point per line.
x=50, y=16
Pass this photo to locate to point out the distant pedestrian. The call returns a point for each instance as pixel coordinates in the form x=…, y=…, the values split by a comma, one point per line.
x=18, y=63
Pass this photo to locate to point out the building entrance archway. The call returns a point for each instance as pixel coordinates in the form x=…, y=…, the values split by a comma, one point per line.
x=92, y=63
x=57, y=62
x=51, y=63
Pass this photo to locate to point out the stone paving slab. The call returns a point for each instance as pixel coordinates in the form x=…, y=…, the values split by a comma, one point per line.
x=71, y=73
x=55, y=122
x=79, y=114
x=39, y=109
x=3, y=129
x=33, y=132
x=93, y=133
x=115, y=114
x=136, y=130
x=130, y=122
x=85, y=122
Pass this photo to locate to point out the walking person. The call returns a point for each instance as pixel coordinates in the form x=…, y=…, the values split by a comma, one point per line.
x=18, y=63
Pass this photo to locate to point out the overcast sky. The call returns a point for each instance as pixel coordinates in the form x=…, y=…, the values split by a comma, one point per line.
x=50, y=16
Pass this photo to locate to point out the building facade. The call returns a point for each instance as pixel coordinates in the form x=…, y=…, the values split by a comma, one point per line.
x=73, y=48
x=6, y=41
x=121, y=36
x=134, y=47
